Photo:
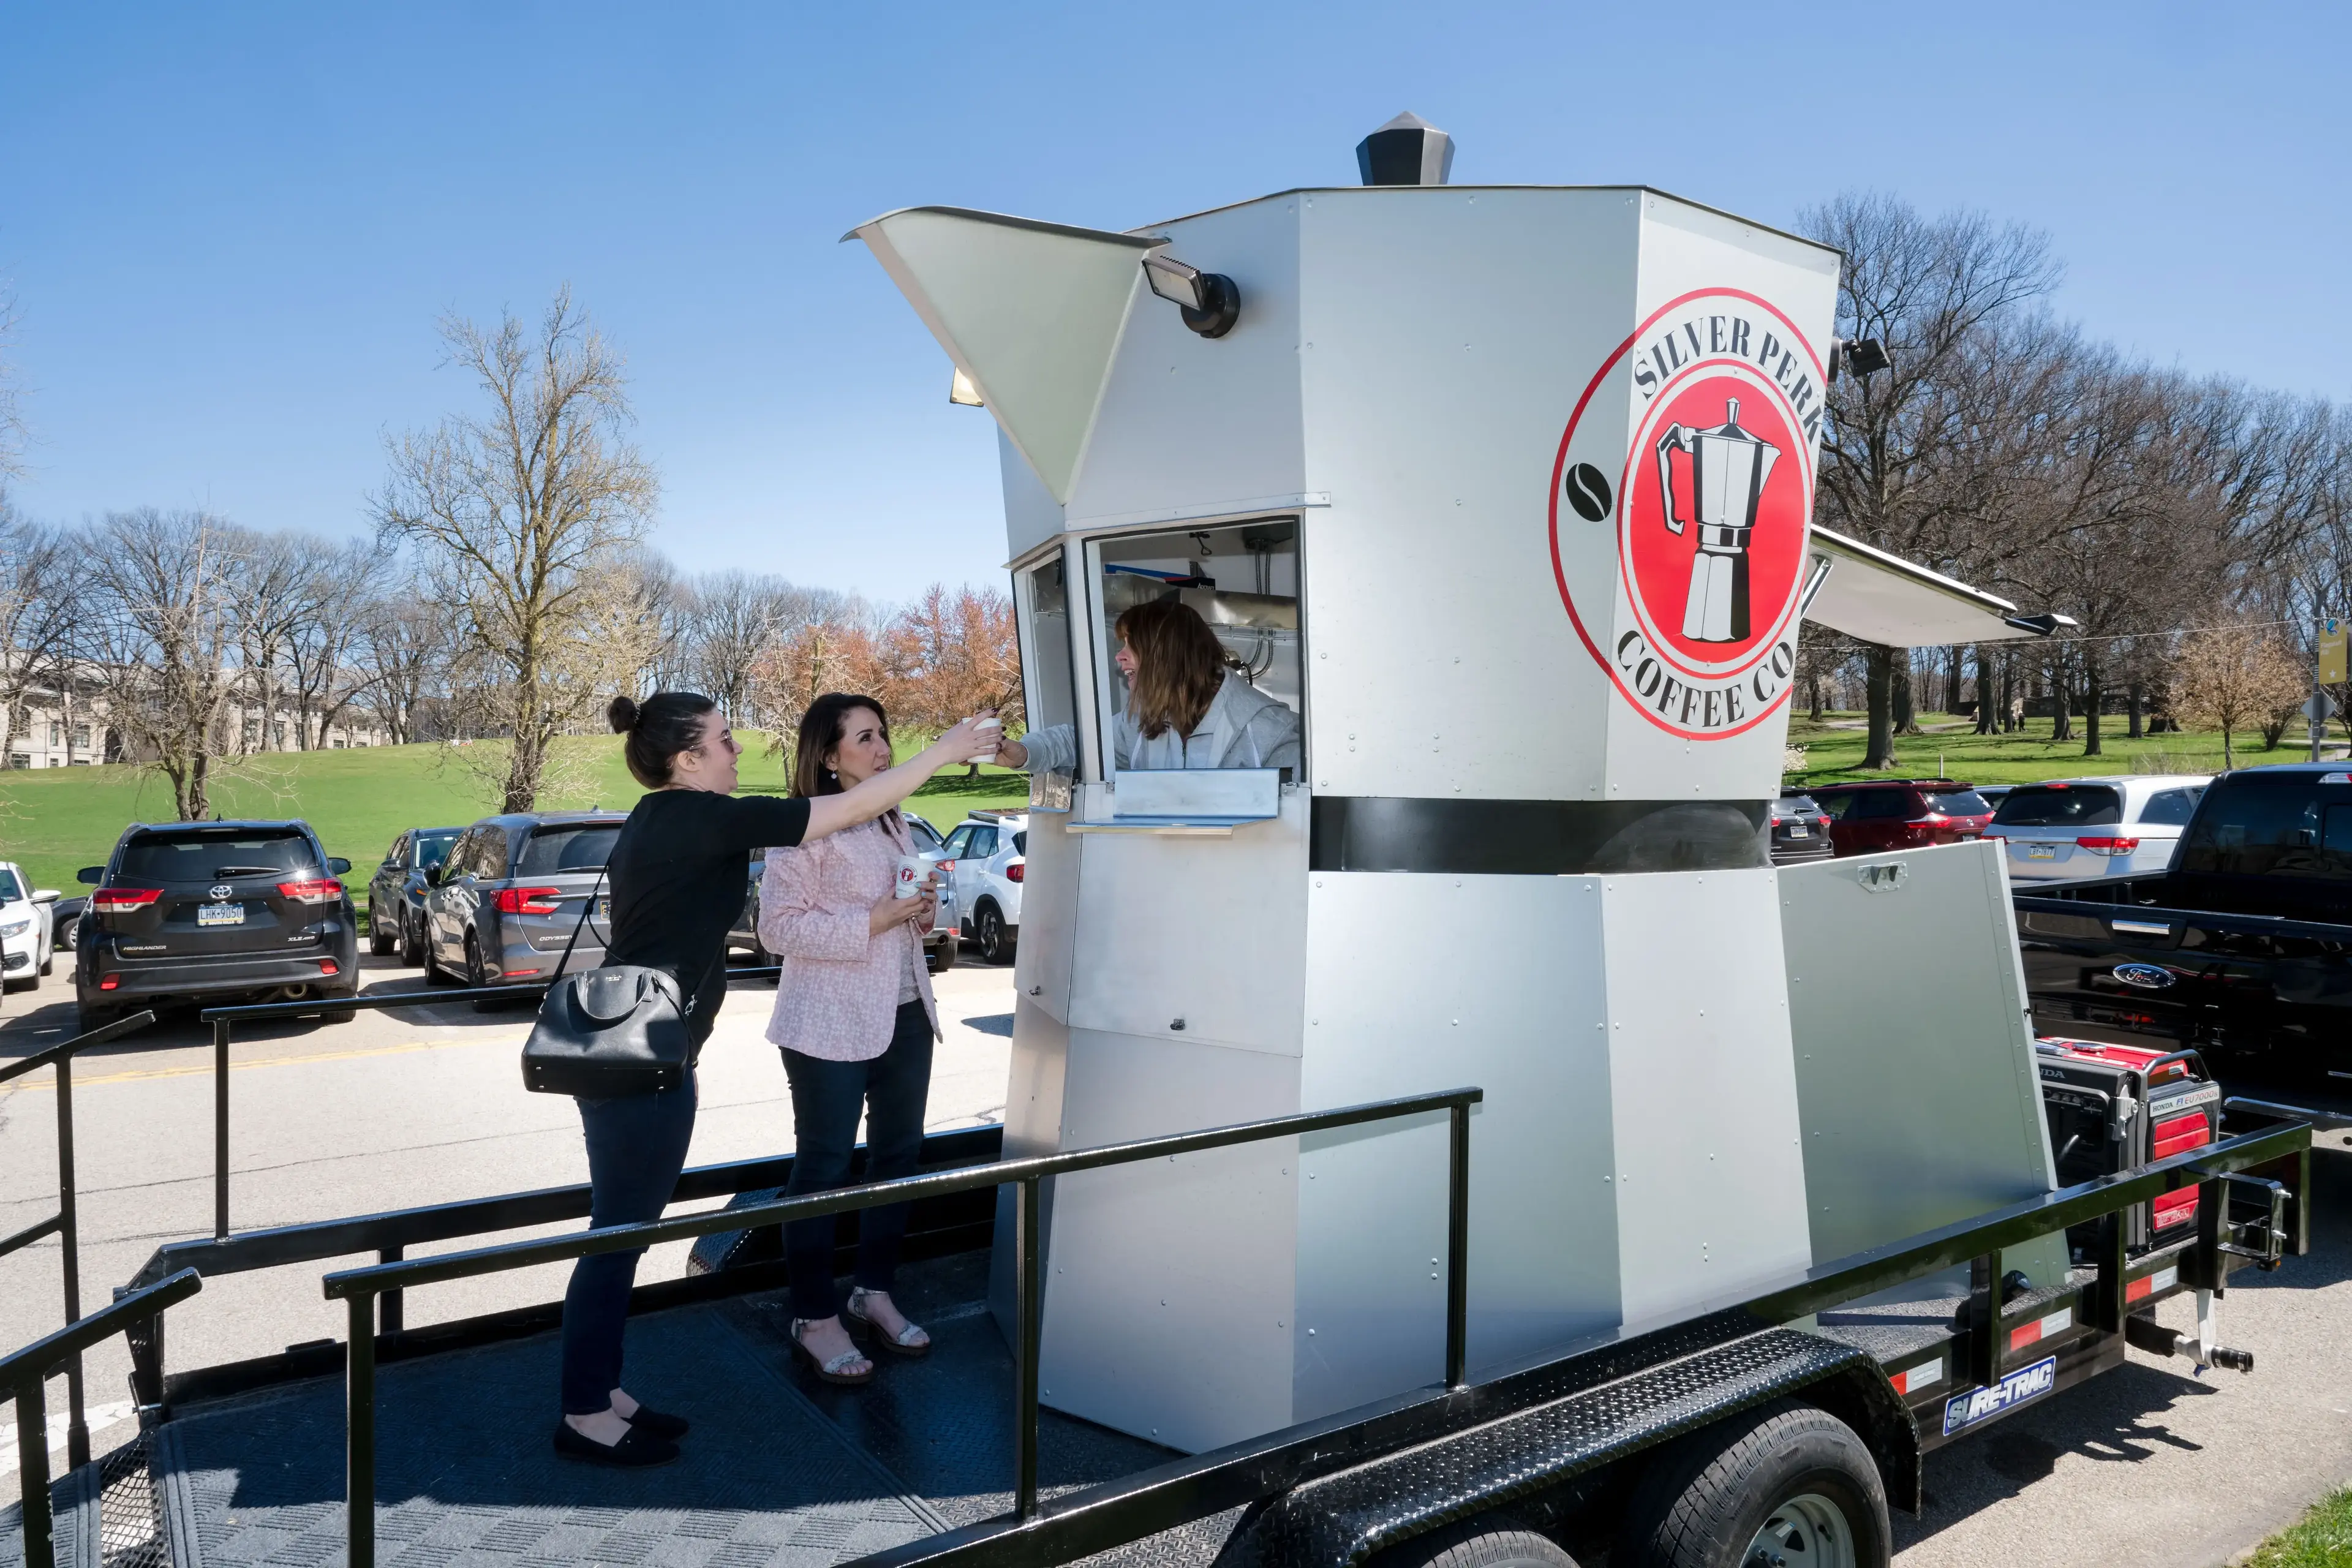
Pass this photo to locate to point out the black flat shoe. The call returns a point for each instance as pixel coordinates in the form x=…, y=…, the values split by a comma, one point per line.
x=654, y=1424
x=635, y=1452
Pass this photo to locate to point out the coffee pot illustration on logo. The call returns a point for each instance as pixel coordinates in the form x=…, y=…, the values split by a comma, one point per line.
x=1727, y=468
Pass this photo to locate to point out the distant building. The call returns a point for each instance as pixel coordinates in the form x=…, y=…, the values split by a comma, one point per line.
x=56, y=729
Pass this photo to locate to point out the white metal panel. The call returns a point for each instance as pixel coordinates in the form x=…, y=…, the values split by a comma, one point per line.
x=1190, y=420
x=1441, y=331
x=1710, y=1181
x=1422, y=983
x=1169, y=1284
x=1031, y=312
x=1033, y=1125
x=1046, y=950
x=1031, y=515
x=1220, y=944
x=1912, y=1116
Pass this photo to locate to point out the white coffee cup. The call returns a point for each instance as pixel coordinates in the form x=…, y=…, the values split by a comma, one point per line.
x=913, y=870
x=995, y=728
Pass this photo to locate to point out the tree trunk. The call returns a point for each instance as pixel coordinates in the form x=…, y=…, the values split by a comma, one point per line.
x=2136, y=704
x=2062, y=705
x=2228, y=760
x=1878, y=688
x=1986, y=721
x=1813, y=686
x=1906, y=714
x=2093, y=695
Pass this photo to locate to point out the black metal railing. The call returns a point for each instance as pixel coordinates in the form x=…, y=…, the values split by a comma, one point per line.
x=225, y=1020
x=359, y=1287
x=22, y=1372
x=65, y=1224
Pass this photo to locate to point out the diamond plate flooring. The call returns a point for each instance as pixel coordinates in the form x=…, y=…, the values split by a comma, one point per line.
x=781, y=1470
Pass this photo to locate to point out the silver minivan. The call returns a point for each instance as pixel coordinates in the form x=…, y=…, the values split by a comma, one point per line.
x=2076, y=830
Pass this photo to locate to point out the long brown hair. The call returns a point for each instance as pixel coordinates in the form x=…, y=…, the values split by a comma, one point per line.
x=1179, y=665
x=822, y=728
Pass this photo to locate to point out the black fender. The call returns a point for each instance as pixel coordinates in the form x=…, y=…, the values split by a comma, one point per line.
x=1339, y=1520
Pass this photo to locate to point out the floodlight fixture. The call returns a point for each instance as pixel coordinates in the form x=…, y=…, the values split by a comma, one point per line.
x=963, y=392
x=1864, y=357
x=1209, y=302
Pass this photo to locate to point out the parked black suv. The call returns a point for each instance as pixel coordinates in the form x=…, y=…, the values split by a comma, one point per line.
x=506, y=902
x=214, y=910
x=397, y=891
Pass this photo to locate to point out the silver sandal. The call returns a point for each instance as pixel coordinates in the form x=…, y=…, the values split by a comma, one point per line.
x=832, y=1371
x=911, y=1340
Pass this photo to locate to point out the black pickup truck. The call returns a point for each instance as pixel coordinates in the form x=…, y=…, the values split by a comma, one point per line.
x=2242, y=950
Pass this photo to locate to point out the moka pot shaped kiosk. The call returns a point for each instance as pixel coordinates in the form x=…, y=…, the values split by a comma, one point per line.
x=1506, y=491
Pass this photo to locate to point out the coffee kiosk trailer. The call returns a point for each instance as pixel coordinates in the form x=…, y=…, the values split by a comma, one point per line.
x=1508, y=490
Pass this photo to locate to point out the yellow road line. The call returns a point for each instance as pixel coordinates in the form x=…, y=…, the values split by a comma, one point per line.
x=205, y=1070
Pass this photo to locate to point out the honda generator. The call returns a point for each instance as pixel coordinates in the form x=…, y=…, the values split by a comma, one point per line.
x=2116, y=1107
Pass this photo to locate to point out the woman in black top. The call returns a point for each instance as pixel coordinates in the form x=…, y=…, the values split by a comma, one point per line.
x=677, y=873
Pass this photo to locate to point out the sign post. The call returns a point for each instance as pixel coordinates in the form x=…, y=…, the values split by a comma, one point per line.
x=2327, y=671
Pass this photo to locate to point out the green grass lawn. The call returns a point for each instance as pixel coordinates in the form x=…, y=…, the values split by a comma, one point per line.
x=1835, y=754
x=56, y=820
x=2320, y=1538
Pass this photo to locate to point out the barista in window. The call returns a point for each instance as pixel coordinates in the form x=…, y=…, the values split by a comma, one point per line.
x=1186, y=708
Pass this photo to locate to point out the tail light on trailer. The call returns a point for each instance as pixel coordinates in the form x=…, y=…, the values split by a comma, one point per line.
x=2107, y=846
x=115, y=901
x=1013, y=872
x=312, y=890
x=527, y=901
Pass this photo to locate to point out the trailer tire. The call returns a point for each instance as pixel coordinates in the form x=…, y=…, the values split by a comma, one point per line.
x=1784, y=1474
x=1487, y=1542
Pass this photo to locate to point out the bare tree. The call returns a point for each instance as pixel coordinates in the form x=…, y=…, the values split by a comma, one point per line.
x=320, y=656
x=524, y=517
x=39, y=594
x=11, y=406
x=401, y=653
x=164, y=624
x=1897, y=459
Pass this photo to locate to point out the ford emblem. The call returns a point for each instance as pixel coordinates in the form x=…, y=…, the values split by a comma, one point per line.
x=2146, y=976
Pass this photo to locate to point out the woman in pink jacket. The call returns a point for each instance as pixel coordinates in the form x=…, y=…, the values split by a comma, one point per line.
x=857, y=1022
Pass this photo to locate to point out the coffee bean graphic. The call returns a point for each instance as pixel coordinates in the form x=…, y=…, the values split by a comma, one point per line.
x=1588, y=492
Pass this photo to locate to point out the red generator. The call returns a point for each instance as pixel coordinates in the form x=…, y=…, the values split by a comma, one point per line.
x=2114, y=1108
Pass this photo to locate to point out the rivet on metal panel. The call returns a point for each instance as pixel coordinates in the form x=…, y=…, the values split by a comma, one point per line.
x=1310, y=1333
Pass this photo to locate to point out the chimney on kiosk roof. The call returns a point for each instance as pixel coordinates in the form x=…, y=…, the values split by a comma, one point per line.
x=1407, y=151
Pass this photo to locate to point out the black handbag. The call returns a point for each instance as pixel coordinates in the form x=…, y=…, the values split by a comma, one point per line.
x=616, y=1029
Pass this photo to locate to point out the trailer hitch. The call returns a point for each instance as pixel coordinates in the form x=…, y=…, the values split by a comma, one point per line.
x=2142, y=1332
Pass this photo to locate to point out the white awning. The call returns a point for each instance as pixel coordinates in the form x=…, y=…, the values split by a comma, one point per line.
x=1885, y=599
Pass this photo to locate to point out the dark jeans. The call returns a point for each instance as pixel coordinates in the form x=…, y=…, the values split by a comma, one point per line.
x=826, y=1099
x=636, y=1147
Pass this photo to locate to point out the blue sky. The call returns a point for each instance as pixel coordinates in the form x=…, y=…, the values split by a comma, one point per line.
x=229, y=229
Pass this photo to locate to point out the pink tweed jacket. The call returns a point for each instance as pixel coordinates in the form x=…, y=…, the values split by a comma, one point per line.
x=838, y=999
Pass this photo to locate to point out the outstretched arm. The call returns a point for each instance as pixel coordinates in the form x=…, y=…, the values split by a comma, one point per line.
x=832, y=812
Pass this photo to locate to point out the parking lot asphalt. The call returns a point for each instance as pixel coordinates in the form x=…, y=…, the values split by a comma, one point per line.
x=2150, y=1464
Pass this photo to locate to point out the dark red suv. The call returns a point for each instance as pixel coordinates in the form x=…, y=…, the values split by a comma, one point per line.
x=1906, y=813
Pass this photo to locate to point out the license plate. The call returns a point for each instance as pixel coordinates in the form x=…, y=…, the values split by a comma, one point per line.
x=1798, y=833
x=2042, y=852
x=603, y=909
x=220, y=914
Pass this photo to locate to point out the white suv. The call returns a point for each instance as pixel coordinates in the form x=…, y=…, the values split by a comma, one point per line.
x=2071, y=829
x=990, y=849
x=27, y=928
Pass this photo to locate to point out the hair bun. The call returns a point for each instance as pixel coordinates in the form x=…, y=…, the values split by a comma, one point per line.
x=623, y=714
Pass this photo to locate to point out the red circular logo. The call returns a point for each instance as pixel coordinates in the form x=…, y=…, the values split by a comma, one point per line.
x=1710, y=504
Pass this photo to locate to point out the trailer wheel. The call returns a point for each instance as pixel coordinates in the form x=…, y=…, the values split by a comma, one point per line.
x=1787, y=1484
x=1477, y=1544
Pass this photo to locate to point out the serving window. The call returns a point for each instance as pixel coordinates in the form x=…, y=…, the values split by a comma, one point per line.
x=1042, y=600
x=1240, y=578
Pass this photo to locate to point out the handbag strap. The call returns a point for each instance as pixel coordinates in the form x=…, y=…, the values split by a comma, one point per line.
x=587, y=907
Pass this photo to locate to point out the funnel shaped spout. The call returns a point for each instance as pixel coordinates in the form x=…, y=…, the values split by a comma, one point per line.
x=1030, y=312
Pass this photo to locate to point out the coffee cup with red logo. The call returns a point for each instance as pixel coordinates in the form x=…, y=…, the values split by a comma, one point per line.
x=913, y=872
